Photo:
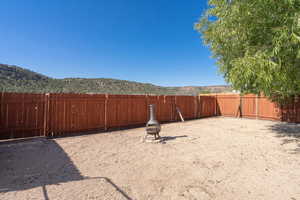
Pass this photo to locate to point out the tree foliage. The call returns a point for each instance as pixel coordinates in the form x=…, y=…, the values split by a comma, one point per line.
x=256, y=44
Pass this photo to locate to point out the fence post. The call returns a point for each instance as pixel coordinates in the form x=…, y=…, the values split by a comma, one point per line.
x=256, y=106
x=282, y=108
x=175, y=111
x=295, y=110
x=216, y=105
x=105, y=112
x=241, y=106
x=296, y=99
x=146, y=107
x=46, y=114
x=199, y=107
x=1, y=111
x=196, y=107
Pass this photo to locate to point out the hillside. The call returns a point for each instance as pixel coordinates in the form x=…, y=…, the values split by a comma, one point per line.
x=17, y=79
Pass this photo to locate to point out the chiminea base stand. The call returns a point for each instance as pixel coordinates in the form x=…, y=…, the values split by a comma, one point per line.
x=151, y=138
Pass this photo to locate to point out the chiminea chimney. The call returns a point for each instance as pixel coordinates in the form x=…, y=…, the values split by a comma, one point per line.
x=152, y=127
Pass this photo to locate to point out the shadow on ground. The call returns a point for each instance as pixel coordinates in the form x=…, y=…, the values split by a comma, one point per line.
x=38, y=163
x=289, y=133
x=168, y=138
x=117, y=188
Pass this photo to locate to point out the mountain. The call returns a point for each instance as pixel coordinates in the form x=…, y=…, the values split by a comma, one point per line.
x=17, y=79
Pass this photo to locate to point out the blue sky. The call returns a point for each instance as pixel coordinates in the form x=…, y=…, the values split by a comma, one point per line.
x=149, y=41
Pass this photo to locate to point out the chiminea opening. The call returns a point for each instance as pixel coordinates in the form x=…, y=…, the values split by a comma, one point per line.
x=152, y=126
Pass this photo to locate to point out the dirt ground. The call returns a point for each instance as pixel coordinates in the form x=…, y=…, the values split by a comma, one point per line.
x=214, y=158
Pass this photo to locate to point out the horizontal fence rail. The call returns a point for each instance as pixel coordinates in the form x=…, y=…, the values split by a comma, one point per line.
x=30, y=115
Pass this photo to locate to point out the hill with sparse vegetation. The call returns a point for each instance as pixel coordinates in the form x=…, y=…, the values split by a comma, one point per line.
x=17, y=79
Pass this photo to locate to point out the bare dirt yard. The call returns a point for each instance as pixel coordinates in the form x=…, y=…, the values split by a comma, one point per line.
x=214, y=158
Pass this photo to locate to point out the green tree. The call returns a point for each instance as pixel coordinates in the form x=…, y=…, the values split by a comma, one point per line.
x=256, y=44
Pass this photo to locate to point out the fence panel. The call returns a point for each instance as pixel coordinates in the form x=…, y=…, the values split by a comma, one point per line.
x=249, y=106
x=228, y=105
x=268, y=110
x=126, y=110
x=75, y=112
x=187, y=106
x=21, y=115
x=164, y=107
x=207, y=106
x=168, y=109
x=137, y=109
x=117, y=111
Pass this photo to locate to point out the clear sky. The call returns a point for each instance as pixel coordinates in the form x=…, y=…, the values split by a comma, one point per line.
x=140, y=40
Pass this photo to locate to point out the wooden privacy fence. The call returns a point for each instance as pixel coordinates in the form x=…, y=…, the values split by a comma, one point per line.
x=29, y=115
x=74, y=112
x=249, y=106
x=207, y=106
x=22, y=115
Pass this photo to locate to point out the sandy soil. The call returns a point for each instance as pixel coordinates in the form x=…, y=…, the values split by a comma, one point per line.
x=215, y=158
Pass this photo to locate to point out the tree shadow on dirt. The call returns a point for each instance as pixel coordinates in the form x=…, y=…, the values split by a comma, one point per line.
x=289, y=133
x=38, y=163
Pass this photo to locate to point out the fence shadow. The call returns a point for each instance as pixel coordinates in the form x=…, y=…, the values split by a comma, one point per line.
x=289, y=132
x=37, y=163
x=117, y=188
x=34, y=163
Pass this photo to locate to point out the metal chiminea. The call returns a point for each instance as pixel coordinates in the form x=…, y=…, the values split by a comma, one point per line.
x=152, y=127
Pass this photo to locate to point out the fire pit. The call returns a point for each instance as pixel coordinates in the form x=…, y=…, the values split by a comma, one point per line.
x=152, y=126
